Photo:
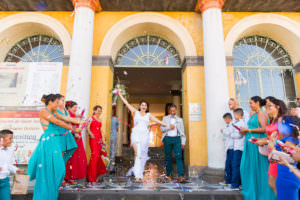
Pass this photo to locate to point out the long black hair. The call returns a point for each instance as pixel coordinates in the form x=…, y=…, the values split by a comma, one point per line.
x=70, y=104
x=261, y=101
x=146, y=102
x=49, y=98
x=59, y=96
x=282, y=108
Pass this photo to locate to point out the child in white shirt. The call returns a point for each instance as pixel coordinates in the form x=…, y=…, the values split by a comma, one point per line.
x=238, y=147
x=6, y=163
x=227, y=132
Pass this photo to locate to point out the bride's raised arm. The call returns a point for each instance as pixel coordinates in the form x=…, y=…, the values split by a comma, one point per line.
x=152, y=118
x=130, y=107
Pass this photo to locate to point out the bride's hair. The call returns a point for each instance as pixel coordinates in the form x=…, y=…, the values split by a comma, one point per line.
x=146, y=102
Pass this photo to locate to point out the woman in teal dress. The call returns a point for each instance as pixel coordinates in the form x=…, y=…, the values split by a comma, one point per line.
x=254, y=166
x=46, y=165
x=66, y=139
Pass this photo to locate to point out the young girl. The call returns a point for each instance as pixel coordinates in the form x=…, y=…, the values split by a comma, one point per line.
x=76, y=167
x=287, y=183
x=96, y=165
x=46, y=164
x=140, y=135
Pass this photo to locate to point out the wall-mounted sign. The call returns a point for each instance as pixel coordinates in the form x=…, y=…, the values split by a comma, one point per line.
x=23, y=84
x=194, y=111
x=27, y=132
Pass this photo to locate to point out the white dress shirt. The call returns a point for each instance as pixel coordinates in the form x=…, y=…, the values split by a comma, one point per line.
x=172, y=133
x=7, y=161
x=227, y=131
x=238, y=139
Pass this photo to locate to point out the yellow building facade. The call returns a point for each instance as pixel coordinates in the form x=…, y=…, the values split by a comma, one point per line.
x=184, y=30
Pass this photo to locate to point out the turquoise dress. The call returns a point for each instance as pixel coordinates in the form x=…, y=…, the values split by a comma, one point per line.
x=66, y=140
x=254, y=167
x=46, y=165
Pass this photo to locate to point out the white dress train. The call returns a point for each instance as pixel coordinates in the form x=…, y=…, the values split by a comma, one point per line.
x=140, y=138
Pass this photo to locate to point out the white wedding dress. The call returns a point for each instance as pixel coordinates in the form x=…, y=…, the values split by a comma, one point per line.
x=140, y=138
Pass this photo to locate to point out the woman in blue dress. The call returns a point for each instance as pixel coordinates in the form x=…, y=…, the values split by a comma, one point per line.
x=46, y=165
x=66, y=140
x=254, y=166
x=287, y=183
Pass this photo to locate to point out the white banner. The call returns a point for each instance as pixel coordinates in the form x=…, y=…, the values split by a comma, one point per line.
x=23, y=84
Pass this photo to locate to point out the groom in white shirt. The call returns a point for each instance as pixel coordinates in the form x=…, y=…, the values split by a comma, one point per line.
x=174, y=140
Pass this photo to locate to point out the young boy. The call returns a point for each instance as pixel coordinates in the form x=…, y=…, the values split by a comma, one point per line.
x=238, y=147
x=226, y=132
x=6, y=163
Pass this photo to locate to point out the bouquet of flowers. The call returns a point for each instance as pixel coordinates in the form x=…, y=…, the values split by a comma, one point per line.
x=118, y=89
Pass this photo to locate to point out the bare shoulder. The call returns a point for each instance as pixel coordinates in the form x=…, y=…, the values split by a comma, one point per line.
x=262, y=114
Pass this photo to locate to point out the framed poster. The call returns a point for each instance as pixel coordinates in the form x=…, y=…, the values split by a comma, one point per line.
x=194, y=111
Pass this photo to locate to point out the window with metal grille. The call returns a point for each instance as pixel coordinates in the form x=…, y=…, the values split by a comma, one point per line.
x=148, y=51
x=262, y=67
x=36, y=48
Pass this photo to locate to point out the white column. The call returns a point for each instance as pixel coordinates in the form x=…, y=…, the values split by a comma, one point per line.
x=216, y=84
x=120, y=132
x=79, y=77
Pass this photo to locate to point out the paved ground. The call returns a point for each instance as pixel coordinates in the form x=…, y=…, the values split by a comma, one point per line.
x=124, y=188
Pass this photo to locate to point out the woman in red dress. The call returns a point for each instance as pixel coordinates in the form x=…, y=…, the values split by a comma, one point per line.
x=76, y=167
x=96, y=165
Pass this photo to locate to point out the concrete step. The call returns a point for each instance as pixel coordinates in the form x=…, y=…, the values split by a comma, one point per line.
x=144, y=195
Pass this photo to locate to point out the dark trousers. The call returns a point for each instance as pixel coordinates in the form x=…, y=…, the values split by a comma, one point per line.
x=236, y=162
x=4, y=189
x=228, y=166
x=173, y=144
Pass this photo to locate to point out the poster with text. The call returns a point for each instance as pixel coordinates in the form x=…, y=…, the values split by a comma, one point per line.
x=27, y=132
x=23, y=84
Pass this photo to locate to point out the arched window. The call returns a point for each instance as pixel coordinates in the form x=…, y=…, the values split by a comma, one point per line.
x=147, y=50
x=262, y=67
x=36, y=48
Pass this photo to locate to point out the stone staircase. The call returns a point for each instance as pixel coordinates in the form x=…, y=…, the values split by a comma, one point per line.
x=156, y=154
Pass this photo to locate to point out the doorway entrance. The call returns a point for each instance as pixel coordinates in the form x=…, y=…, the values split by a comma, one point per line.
x=149, y=67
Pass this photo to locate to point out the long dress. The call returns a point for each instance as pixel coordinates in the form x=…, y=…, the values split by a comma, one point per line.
x=46, y=165
x=76, y=167
x=113, y=141
x=270, y=128
x=254, y=167
x=140, y=138
x=287, y=183
x=96, y=165
x=66, y=140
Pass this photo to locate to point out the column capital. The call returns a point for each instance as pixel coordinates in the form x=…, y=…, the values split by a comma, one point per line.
x=203, y=5
x=92, y=4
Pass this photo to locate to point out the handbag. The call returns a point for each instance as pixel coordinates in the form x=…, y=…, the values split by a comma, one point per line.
x=275, y=155
x=263, y=150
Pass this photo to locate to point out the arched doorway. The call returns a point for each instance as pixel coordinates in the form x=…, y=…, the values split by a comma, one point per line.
x=149, y=66
x=154, y=32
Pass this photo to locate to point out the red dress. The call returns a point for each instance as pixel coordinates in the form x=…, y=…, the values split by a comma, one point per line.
x=96, y=165
x=270, y=128
x=76, y=167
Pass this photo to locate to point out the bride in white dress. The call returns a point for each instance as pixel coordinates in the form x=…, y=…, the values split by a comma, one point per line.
x=140, y=136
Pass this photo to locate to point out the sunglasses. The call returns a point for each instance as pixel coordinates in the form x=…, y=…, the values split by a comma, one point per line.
x=298, y=99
